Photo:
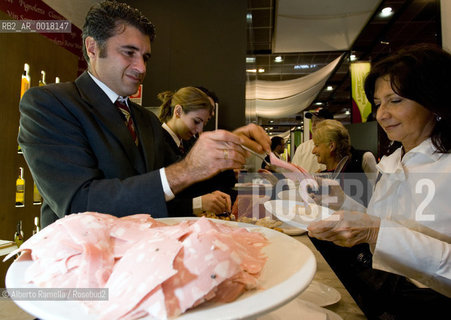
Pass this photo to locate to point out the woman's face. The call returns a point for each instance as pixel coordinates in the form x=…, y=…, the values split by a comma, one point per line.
x=192, y=123
x=402, y=119
x=322, y=151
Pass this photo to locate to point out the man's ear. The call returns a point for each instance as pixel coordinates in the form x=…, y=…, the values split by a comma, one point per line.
x=91, y=47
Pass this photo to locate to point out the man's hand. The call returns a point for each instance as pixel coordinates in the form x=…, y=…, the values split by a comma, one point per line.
x=213, y=152
x=216, y=151
x=346, y=228
x=255, y=138
x=216, y=202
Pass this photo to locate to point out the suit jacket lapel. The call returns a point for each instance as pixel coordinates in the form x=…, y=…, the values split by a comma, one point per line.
x=109, y=117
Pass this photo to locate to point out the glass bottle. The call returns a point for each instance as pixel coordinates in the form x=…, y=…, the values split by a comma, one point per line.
x=36, y=225
x=18, y=236
x=20, y=189
x=26, y=80
x=37, y=199
x=42, y=80
x=24, y=86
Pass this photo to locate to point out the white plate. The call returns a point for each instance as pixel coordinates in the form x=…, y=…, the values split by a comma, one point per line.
x=300, y=309
x=288, y=211
x=279, y=284
x=320, y=294
x=291, y=231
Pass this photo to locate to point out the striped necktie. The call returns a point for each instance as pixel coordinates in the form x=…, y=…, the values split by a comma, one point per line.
x=122, y=106
x=181, y=148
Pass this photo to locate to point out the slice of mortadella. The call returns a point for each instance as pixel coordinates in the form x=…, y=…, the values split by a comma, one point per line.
x=305, y=179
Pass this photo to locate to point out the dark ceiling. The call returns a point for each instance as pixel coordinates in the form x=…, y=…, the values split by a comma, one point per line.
x=413, y=21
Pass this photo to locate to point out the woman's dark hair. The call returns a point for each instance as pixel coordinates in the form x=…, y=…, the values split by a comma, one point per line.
x=104, y=19
x=420, y=73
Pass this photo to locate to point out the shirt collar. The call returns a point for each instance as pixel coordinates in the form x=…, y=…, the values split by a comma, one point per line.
x=113, y=96
x=395, y=161
x=426, y=149
x=173, y=135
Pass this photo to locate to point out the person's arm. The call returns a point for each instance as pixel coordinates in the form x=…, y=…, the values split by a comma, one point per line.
x=216, y=151
x=413, y=255
x=67, y=164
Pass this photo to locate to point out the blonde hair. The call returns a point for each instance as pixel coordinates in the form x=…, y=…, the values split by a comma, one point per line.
x=328, y=131
x=189, y=98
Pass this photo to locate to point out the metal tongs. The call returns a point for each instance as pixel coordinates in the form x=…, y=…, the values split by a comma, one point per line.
x=268, y=164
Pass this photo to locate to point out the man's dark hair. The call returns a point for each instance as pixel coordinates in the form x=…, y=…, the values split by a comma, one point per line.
x=104, y=18
x=275, y=141
x=209, y=93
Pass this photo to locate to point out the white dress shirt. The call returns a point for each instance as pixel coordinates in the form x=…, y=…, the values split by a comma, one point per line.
x=413, y=200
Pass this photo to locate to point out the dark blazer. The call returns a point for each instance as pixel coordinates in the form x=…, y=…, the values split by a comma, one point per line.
x=81, y=154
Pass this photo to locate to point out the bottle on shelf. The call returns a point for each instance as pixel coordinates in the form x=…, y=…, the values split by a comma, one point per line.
x=37, y=199
x=42, y=80
x=19, y=149
x=36, y=225
x=18, y=236
x=26, y=80
x=24, y=86
x=20, y=189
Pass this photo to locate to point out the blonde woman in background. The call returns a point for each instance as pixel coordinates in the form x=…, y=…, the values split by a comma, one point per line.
x=184, y=114
x=333, y=149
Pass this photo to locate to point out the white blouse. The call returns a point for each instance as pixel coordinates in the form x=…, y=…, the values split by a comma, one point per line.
x=413, y=200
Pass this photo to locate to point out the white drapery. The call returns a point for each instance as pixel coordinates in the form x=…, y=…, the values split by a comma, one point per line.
x=280, y=99
x=326, y=25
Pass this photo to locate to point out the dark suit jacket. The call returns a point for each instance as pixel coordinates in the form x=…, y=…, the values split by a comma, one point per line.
x=81, y=154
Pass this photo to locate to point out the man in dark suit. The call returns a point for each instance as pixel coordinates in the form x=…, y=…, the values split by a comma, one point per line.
x=87, y=155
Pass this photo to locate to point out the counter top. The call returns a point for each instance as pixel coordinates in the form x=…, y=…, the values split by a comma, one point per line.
x=346, y=308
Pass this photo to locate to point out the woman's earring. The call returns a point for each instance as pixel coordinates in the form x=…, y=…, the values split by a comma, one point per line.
x=437, y=117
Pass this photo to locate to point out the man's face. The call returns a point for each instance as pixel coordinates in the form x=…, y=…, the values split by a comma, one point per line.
x=122, y=63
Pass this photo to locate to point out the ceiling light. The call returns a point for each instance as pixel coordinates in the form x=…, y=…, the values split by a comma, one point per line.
x=251, y=70
x=304, y=66
x=271, y=121
x=386, y=12
x=347, y=112
x=318, y=103
x=261, y=70
x=249, y=17
x=329, y=88
x=352, y=57
x=250, y=59
x=278, y=59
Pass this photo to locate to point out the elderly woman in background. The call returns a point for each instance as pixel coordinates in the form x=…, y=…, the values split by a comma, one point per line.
x=333, y=149
x=408, y=220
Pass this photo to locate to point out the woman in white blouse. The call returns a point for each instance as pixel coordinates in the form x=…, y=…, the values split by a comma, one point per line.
x=408, y=220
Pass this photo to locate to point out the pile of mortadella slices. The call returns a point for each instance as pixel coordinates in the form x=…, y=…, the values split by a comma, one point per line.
x=150, y=268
